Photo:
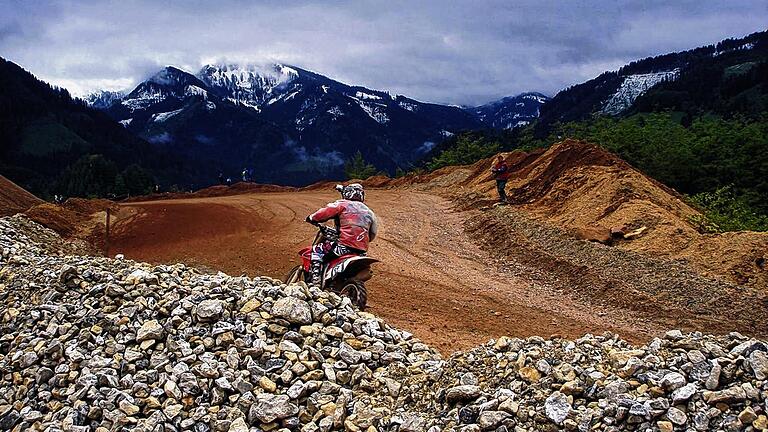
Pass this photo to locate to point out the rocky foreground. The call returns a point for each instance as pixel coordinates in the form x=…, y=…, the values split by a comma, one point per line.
x=99, y=344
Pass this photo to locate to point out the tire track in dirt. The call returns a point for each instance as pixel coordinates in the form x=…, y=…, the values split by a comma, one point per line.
x=434, y=280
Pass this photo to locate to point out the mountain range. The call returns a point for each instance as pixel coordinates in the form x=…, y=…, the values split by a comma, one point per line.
x=291, y=125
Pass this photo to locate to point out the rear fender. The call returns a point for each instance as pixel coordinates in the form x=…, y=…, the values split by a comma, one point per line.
x=360, y=265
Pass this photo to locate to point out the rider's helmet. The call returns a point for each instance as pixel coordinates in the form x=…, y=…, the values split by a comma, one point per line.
x=353, y=192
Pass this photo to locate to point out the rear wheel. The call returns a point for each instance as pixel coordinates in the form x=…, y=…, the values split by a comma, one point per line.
x=356, y=292
x=296, y=274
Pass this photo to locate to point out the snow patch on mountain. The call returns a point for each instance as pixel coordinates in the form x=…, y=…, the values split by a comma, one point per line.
x=363, y=95
x=746, y=46
x=511, y=111
x=633, y=86
x=144, y=99
x=126, y=122
x=335, y=112
x=193, y=90
x=535, y=97
x=103, y=99
x=161, y=117
x=375, y=111
x=408, y=106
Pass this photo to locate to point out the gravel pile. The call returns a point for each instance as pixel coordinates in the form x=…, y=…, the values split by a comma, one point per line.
x=101, y=344
x=678, y=382
x=114, y=344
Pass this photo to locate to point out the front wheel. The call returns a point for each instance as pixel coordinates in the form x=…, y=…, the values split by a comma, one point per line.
x=296, y=274
x=356, y=292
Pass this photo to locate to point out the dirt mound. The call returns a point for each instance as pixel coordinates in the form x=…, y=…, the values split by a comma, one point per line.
x=14, y=199
x=577, y=186
x=58, y=218
x=77, y=219
x=214, y=191
x=89, y=206
x=240, y=188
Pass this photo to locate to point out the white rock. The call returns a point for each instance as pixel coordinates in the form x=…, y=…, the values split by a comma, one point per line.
x=557, y=407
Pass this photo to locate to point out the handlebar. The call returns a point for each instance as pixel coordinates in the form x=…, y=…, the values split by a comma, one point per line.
x=325, y=229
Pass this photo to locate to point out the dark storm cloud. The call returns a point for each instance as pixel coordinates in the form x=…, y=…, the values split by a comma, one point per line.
x=463, y=52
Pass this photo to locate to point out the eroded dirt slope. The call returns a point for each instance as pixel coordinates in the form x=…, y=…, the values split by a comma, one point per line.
x=14, y=199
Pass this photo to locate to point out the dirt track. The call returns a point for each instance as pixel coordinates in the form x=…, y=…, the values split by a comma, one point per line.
x=433, y=280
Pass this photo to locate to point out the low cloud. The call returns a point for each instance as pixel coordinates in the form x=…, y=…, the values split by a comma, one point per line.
x=461, y=52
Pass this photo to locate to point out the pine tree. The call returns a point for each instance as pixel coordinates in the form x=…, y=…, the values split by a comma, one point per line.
x=358, y=168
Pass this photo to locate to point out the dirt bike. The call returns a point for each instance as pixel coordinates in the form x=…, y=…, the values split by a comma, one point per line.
x=345, y=275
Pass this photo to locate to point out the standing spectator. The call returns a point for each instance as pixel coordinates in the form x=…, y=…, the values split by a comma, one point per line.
x=501, y=173
x=221, y=178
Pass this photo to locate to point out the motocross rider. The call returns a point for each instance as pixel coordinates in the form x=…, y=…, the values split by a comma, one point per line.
x=357, y=226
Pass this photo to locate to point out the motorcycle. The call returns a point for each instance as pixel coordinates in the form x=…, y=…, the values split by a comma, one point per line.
x=345, y=275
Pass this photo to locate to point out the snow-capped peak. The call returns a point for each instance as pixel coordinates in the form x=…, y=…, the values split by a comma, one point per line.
x=169, y=75
x=249, y=84
x=103, y=99
x=511, y=111
x=245, y=76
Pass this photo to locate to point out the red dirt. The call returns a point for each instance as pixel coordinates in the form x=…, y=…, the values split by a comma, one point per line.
x=14, y=199
x=55, y=217
x=77, y=219
x=574, y=185
x=434, y=280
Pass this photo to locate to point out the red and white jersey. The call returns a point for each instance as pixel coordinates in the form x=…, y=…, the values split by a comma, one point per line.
x=358, y=224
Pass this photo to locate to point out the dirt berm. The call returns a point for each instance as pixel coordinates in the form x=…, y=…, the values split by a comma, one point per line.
x=576, y=185
x=14, y=199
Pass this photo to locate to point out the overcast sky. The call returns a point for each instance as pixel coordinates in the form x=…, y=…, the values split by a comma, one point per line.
x=462, y=52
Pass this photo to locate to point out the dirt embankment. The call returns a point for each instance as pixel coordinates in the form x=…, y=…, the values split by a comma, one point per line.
x=213, y=191
x=576, y=185
x=14, y=199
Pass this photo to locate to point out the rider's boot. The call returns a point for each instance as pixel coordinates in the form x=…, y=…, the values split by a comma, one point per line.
x=315, y=273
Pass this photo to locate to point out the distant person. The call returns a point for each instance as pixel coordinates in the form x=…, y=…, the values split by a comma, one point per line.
x=229, y=181
x=250, y=174
x=222, y=180
x=245, y=174
x=501, y=173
